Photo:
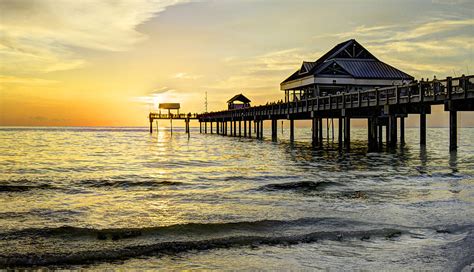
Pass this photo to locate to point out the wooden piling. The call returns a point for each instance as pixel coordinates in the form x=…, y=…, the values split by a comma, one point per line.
x=340, y=131
x=347, y=132
x=257, y=128
x=453, y=128
x=380, y=133
x=423, y=128
x=240, y=128
x=314, y=131
x=392, y=123
x=292, y=130
x=402, y=130
x=250, y=128
x=320, y=130
x=274, y=129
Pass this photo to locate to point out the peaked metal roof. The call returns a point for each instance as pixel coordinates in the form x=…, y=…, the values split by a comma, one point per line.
x=240, y=98
x=357, y=61
x=369, y=69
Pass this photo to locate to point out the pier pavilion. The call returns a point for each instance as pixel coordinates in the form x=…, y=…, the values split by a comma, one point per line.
x=348, y=67
x=243, y=102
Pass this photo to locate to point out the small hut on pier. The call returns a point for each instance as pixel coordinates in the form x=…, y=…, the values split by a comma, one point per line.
x=348, y=67
x=169, y=107
x=239, y=101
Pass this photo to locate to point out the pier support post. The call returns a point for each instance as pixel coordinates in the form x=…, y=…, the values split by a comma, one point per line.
x=402, y=130
x=314, y=130
x=257, y=128
x=250, y=128
x=151, y=126
x=347, y=133
x=373, y=139
x=340, y=131
x=274, y=129
x=235, y=128
x=245, y=128
x=240, y=128
x=261, y=129
x=392, y=122
x=380, y=133
x=423, y=128
x=217, y=127
x=320, y=130
x=205, y=127
x=453, y=130
x=211, y=128
x=200, y=127
x=292, y=130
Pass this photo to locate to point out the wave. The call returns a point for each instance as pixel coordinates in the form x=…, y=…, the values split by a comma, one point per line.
x=23, y=187
x=105, y=245
x=299, y=186
x=174, y=247
x=127, y=183
x=261, y=225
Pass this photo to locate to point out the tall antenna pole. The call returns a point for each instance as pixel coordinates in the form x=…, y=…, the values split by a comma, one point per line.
x=205, y=102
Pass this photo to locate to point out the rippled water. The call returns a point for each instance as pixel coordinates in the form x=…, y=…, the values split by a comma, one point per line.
x=122, y=198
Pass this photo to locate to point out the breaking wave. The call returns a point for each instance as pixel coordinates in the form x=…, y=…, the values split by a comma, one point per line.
x=300, y=186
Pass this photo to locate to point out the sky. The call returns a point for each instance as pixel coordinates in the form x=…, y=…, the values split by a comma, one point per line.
x=108, y=63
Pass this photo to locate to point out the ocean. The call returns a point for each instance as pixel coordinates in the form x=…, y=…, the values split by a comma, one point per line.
x=120, y=198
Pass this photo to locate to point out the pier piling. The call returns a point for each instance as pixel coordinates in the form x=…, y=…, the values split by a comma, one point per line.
x=453, y=127
x=292, y=130
x=423, y=128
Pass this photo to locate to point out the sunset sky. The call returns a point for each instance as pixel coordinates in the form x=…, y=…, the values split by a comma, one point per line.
x=99, y=63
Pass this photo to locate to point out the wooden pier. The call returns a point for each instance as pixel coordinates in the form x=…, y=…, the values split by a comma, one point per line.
x=381, y=107
x=187, y=117
x=348, y=82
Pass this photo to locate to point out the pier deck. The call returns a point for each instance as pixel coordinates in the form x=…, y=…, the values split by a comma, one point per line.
x=380, y=106
x=187, y=117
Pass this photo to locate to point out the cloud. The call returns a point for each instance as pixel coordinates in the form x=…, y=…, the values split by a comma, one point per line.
x=186, y=76
x=438, y=46
x=43, y=36
x=159, y=91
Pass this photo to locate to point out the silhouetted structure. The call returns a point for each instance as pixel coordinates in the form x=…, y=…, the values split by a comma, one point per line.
x=244, y=102
x=349, y=82
x=348, y=67
x=170, y=116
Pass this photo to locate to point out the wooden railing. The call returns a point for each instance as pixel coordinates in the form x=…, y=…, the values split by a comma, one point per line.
x=155, y=115
x=430, y=92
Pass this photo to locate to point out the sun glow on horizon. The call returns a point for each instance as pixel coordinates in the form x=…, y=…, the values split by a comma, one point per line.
x=108, y=63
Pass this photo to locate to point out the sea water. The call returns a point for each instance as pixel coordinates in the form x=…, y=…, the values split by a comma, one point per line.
x=123, y=198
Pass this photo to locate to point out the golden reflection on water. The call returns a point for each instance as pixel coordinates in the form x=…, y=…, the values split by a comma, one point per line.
x=111, y=178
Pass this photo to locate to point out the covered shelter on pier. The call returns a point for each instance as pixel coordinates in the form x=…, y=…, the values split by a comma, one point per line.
x=348, y=67
x=239, y=101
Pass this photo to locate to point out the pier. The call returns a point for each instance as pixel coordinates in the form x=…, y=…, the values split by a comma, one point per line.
x=381, y=107
x=348, y=82
x=155, y=116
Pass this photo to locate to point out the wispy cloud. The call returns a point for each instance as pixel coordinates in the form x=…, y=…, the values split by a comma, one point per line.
x=186, y=76
x=438, y=46
x=42, y=36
